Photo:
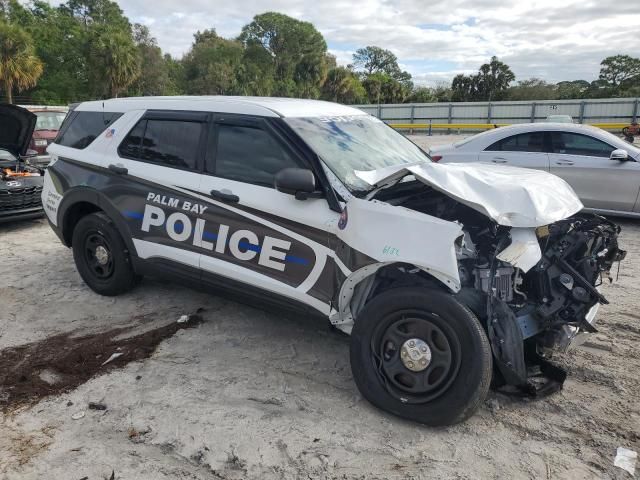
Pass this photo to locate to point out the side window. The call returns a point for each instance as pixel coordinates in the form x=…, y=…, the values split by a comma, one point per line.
x=248, y=154
x=524, y=142
x=83, y=128
x=130, y=146
x=577, y=144
x=173, y=143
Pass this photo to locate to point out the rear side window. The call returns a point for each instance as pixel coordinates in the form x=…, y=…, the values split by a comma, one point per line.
x=82, y=128
x=524, y=142
x=576, y=144
x=173, y=143
x=248, y=154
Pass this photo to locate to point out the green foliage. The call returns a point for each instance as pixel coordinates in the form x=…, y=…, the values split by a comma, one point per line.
x=374, y=59
x=422, y=95
x=154, y=72
x=88, y=49
x=19, y=66
x=382, y=88
x=343, y=86
x=533, y=89
x=114, y=62
x=572, y=89
x=381, y=75
x=490, y=83
x=61, y=43
x=297, y=54
x=211, y=65
x=620, y=73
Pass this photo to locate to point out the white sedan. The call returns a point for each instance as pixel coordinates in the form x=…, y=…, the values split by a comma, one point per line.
x=603, y=169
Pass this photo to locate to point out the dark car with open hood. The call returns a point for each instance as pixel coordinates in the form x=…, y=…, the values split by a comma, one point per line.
x=20, y=182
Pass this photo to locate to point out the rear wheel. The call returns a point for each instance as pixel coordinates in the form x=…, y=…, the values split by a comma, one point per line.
x=421, y=355
x=101, y=255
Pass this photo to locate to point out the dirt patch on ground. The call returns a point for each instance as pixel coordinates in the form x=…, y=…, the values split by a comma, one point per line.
x=62, y=362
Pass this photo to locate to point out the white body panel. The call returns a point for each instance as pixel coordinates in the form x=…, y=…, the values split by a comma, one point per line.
x=260, y=106
x=395, y=234
x=524, y=251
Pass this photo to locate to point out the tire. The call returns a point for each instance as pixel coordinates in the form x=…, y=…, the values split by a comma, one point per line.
x=107, y=275
x=456, y=376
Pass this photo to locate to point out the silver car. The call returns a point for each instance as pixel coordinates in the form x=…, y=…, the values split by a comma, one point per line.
x=603, y=169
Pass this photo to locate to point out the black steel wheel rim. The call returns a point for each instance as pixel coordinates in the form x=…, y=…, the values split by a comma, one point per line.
x=400, y=328
x=95, y=245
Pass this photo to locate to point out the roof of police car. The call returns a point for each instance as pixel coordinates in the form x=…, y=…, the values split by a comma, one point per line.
x=261, y=106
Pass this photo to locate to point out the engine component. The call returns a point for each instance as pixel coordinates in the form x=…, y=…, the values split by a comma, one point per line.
x=566, y=281
x=502, y=282
x=577, y=253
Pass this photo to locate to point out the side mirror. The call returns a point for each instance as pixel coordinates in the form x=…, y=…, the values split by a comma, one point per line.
x=620, y=155
x=300, y=182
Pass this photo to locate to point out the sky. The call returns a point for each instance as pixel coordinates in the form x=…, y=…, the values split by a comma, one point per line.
x=433, y=39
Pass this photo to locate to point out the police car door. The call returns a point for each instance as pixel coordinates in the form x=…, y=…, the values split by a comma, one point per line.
x=158, y=160
x=253, y=233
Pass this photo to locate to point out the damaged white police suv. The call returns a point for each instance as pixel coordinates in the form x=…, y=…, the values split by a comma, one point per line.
x=449, y=278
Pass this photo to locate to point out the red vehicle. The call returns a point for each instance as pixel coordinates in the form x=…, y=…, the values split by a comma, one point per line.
x=47, y=125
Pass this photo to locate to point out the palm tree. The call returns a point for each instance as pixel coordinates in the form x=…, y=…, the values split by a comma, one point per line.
x=118, y=63
x=20, y=68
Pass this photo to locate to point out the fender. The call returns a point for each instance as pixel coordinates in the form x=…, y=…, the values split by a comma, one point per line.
x=391, y=234
x=357, y=287
x=394, y=235
x=79, y=194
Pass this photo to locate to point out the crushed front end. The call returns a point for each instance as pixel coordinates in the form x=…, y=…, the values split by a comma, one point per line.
x=535, y=309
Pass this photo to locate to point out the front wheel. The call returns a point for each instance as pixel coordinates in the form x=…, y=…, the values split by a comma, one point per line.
x=420, y=354
x=101, y=255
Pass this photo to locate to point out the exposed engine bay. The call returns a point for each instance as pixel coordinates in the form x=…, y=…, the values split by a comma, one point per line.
x=11, y=169
x=528, y=313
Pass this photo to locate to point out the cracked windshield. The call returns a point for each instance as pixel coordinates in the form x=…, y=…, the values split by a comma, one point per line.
x=356, y=143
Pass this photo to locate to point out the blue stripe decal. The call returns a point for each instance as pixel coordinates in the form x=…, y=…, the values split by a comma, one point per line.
x=130, y=214
x=209, y=236
x=294, y=259
x=249, y=246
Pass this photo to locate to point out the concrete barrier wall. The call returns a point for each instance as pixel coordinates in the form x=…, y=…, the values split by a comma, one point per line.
x=609, y=113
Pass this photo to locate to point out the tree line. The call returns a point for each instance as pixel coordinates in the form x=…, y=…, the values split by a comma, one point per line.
x=87, y=49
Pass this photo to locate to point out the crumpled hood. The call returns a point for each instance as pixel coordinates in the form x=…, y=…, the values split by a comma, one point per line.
x=511, y=196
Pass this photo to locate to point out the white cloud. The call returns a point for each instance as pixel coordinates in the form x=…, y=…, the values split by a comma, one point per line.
x=553, y=39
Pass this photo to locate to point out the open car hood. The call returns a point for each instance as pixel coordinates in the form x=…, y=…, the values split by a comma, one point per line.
x=511, y=196
x=16, y=128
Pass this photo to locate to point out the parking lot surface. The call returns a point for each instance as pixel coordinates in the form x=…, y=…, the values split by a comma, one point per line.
x=248, y=393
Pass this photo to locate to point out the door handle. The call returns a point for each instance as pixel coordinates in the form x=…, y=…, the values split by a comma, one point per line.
x=225, y=197
x=499, y=160
x=564, y=162
x=119, y=169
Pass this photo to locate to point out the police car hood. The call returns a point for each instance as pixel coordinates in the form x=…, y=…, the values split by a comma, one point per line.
x=16, y=128
x=511, y=196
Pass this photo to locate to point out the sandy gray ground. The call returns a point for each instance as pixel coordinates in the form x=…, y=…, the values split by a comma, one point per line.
x=253, y=394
